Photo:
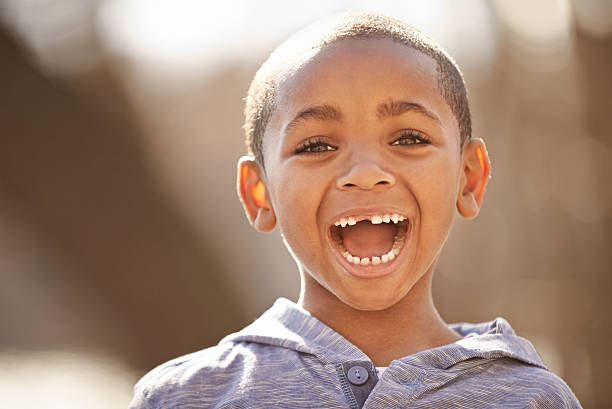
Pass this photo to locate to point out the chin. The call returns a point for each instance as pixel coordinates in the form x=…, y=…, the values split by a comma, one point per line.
x=369, y=302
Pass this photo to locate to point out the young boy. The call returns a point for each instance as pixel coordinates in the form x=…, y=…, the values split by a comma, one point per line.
x=360, y=151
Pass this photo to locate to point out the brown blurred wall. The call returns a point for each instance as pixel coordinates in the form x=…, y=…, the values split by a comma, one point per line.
x=140, y=285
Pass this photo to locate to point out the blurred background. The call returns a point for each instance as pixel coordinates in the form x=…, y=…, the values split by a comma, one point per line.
x=122, y=242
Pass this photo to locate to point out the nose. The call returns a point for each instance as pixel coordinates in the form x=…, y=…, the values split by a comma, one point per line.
x=365, y=174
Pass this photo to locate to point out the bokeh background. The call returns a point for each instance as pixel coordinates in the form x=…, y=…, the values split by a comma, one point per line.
x=122, y=242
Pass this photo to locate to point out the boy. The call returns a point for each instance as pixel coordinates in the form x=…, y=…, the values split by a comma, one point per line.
x=360, y=148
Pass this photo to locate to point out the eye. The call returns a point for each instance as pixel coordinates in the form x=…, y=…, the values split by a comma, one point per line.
x=315, y=144
x=411, y=137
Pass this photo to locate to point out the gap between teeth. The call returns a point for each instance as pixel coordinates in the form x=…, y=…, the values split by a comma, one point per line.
x=398, y=243
x=377, y=219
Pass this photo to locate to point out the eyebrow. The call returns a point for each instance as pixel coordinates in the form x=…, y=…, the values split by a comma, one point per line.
x=328, y=112
x=397, y=108
x=323, y=112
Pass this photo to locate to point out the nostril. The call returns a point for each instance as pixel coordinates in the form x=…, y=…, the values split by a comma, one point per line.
x=354, y=185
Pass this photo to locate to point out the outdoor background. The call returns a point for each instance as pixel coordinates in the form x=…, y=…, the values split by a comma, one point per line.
x=122, y=242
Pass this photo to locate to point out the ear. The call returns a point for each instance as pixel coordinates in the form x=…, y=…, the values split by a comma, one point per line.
x=476, y=173
x=254, y=196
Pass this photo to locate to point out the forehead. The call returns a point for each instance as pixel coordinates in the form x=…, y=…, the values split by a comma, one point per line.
x=357, y=75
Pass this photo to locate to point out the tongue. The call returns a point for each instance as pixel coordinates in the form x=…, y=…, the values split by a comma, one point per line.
x=366, y=239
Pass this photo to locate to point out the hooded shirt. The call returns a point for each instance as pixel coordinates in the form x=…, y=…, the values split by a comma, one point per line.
x=289, y=359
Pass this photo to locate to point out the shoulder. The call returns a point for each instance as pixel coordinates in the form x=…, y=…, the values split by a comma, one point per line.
x=544, y=389
x=511, y=381
x=181, y=374
x=206, y=373
x=226, y=374
x=496, y=365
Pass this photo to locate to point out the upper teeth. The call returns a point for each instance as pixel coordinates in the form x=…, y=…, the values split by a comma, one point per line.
x=375, y=219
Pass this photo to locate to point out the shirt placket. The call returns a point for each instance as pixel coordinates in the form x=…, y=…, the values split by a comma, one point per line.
x=357, y=379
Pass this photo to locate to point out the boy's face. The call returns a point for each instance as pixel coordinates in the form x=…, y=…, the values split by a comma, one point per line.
x=361, y=130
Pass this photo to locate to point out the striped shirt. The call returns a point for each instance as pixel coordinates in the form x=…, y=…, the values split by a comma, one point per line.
x=289, y=359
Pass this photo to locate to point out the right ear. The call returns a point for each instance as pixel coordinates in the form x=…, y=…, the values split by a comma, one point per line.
x=254, y=195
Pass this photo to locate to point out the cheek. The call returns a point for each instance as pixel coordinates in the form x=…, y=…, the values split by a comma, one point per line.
x=442, y=192
x=437, y=187
x=296, y=203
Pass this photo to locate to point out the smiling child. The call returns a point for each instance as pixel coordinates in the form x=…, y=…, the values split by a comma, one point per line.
x=360, y=152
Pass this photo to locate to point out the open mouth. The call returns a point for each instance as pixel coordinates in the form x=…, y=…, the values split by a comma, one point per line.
x=366, y=240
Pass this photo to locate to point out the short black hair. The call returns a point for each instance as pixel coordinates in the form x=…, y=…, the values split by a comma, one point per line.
x=261, y=97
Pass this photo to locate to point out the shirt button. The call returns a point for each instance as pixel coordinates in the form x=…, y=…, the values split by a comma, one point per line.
x=357, y=375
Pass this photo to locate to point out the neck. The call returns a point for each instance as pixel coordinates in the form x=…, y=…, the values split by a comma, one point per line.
x=411, y=325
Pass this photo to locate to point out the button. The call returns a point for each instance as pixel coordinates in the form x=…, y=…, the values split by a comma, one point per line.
x=357, y=375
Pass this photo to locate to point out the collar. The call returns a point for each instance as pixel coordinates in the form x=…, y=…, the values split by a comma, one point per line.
x=286, y=325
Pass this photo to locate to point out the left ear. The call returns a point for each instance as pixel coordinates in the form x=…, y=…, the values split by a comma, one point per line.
x=476, y=172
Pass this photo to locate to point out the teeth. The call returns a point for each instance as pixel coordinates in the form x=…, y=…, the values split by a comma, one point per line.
x=376, y=219
x=385, y=258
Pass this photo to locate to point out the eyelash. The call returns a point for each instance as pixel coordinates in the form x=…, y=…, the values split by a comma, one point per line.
x=414, y=138
x=316, y=144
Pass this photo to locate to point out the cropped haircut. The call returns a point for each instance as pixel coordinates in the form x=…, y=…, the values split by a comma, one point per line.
x=261, y=97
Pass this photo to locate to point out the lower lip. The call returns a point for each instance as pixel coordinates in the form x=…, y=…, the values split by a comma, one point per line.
x=372, y=270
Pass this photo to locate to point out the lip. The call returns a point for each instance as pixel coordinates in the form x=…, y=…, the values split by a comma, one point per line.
x=370, y=271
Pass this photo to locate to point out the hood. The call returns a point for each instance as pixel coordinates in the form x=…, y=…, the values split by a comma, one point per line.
x=287, y=325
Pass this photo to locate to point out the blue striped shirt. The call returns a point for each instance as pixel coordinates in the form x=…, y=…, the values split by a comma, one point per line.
x=289, y=359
